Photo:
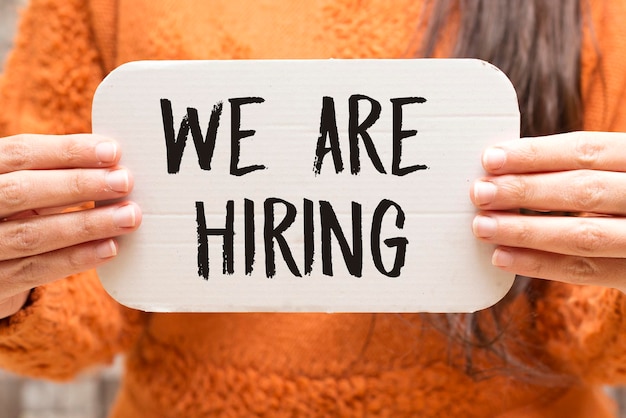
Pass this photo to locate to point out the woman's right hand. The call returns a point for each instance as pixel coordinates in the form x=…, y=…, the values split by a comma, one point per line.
x=40, y=241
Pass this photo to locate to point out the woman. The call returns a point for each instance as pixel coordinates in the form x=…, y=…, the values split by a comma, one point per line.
x=542, y=352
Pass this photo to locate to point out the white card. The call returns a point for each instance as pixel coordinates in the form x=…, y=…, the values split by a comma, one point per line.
x=313, y=185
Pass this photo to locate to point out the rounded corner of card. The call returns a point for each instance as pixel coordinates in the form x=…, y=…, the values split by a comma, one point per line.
x=503, y=283
x=105, y=274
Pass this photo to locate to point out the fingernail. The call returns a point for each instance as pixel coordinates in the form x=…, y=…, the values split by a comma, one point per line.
x=106, y=152
x=125, y=216
x=493, y=159
x=106, y=249
x=484, y=226
x=117, y=180
x=501, y=258
x=484, y=192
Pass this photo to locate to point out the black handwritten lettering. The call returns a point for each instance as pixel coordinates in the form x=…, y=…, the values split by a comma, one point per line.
x=329, y=223
x=236, y=135
x=273, y=233
x=329, y=227
x=250, y=245
x=356, y=129
x=227, y=234
x=399, y=135
x=309, y=237
x=328, y=128
x=175, y=144
x=399, y=242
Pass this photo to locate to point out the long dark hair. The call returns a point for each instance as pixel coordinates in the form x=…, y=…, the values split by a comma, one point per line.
x=537, y=43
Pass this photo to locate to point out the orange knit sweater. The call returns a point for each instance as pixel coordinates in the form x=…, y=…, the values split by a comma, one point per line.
x=273, y=365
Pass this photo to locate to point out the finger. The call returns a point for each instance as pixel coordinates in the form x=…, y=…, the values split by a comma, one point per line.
x=571, y=191
x=49, y=211
x=25, y=190
x=42, y=234
x=43, y=152
x=12, y=304
x=607, y=272
x=17, y=276
x=588, y=237
x=570, y=151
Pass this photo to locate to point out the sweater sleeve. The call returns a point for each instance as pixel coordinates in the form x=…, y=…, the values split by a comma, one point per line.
x=66, y=327
x=47, y=87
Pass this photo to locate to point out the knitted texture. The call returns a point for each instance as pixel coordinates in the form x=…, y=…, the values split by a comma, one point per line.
x=283, y=365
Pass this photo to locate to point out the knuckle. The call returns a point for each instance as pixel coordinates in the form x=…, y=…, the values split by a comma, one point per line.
x=15, y=152
x=587, y=151
x=72, y=151
x=25, y=237
x=587, y=238
x=581, y=270
x=526, y=156
x=589, y=191
x=528, y=153
x=75, y=261
x=29, y=271
x=517, y=188
x=534, y=268
x=524, y=234
x=88, y=226
x=12, y=192
x=78, y=183
x=26, y=272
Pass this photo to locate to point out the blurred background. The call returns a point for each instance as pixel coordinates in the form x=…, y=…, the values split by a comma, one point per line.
x=90, y=395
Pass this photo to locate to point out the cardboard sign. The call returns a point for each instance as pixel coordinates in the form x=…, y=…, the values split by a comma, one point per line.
x=319, y=185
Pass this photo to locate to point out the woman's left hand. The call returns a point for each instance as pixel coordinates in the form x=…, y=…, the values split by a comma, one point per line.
x=576, y=185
